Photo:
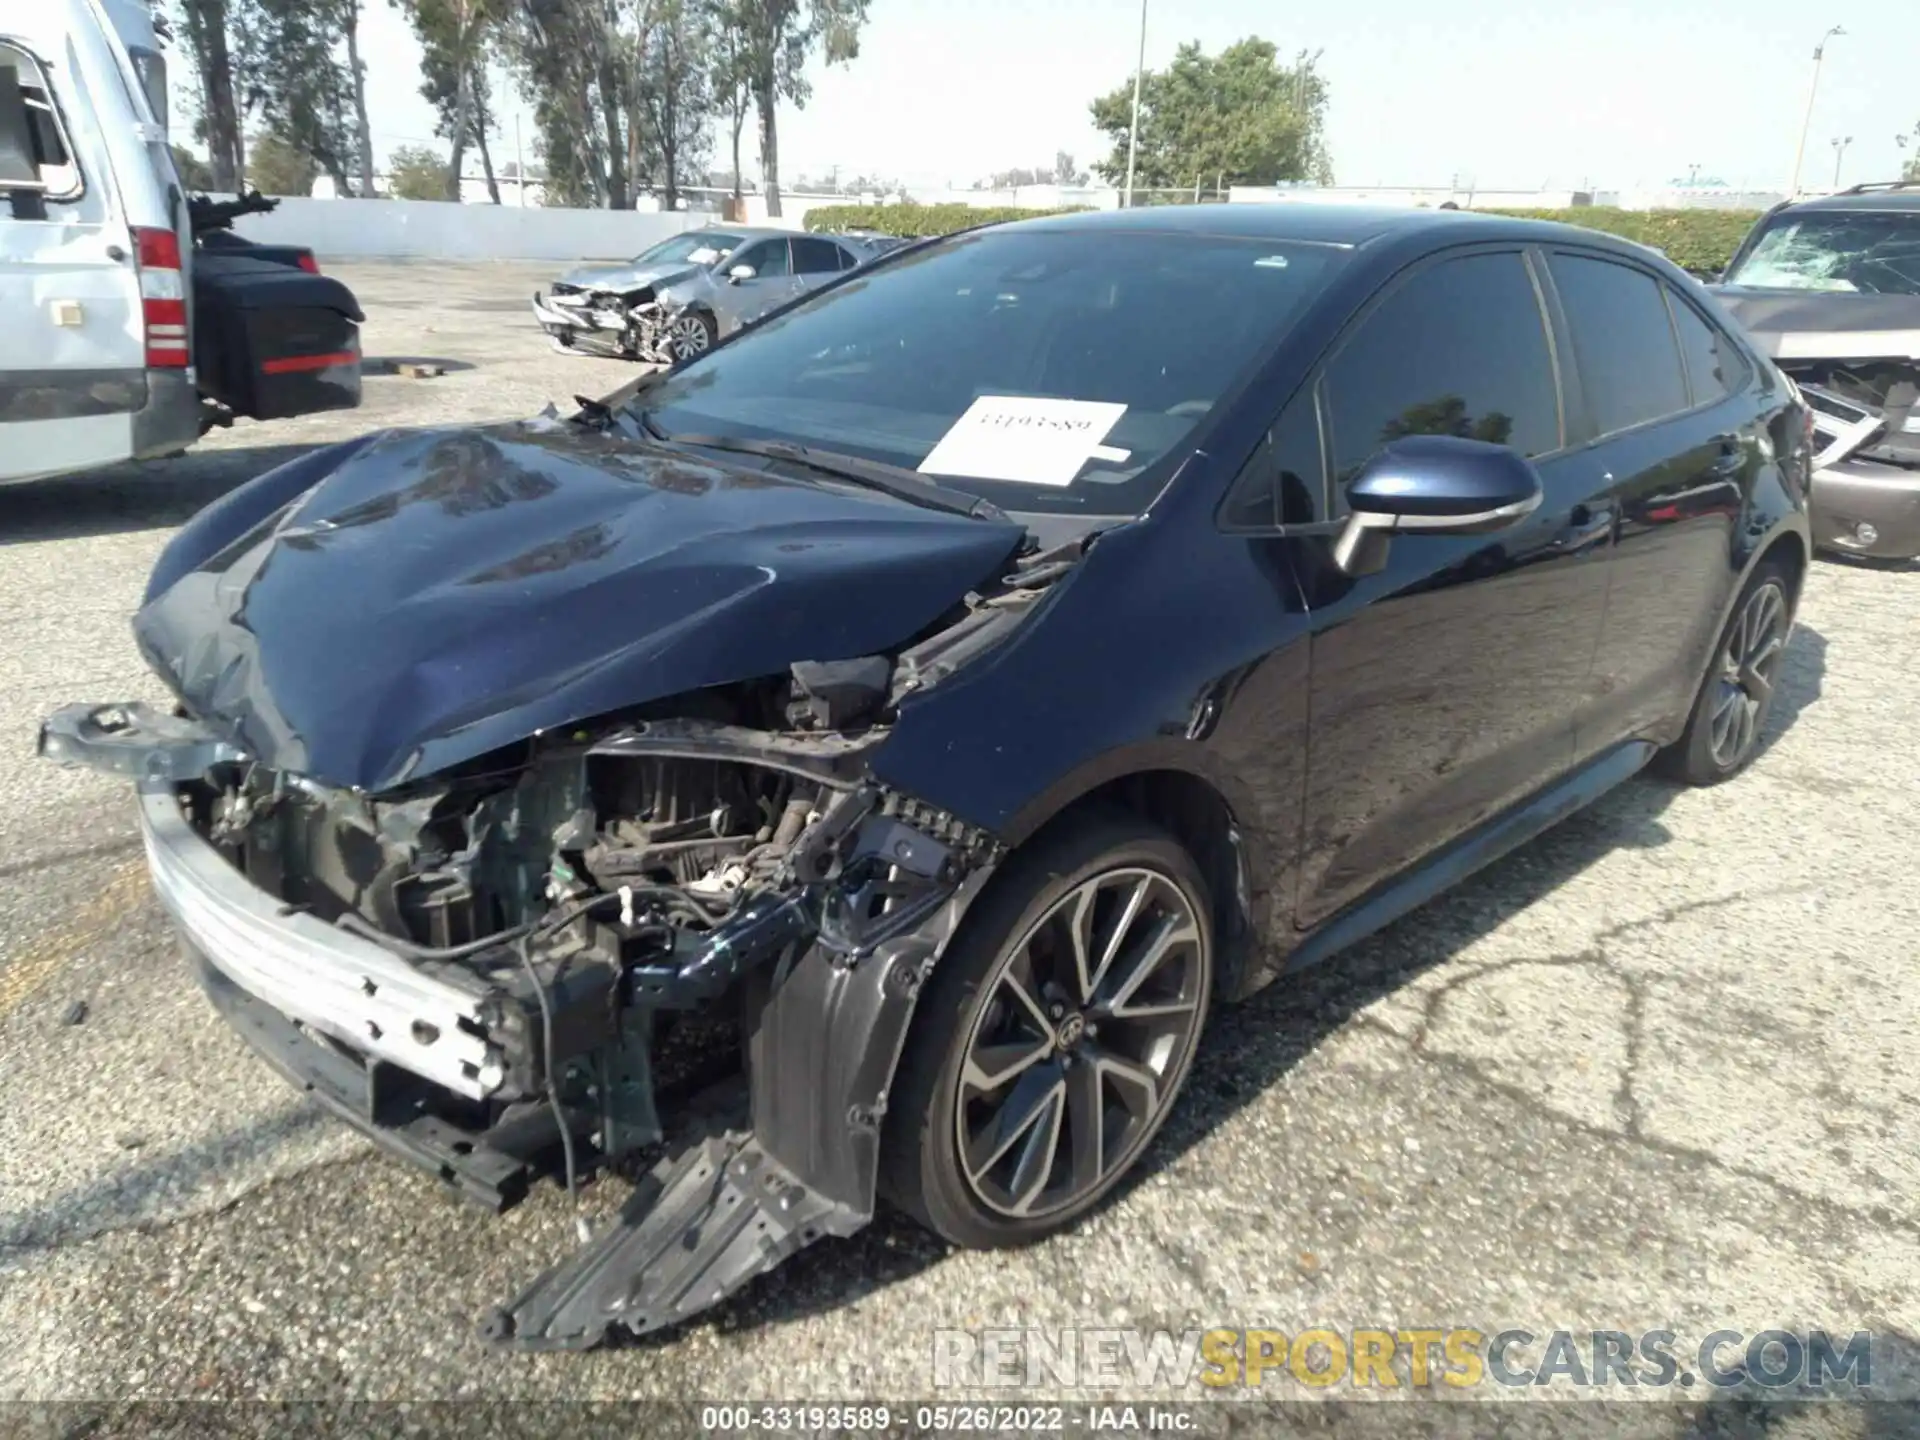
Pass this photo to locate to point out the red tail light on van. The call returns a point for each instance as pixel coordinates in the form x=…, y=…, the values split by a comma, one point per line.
x=163, y=298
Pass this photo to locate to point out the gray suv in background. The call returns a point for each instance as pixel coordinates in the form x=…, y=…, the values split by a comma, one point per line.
x=677, y=298
x=1830, y=288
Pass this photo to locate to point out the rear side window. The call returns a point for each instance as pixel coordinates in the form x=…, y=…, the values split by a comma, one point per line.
x=1460, y=349
x=1714, y=366
x=1623, y=339
x=816, y=257
x=33, y=140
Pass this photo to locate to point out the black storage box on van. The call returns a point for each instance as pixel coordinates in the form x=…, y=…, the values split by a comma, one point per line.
x=271, y=341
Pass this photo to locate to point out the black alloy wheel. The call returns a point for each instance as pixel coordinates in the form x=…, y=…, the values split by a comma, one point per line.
x=1055, y=1035
x=1729, y=718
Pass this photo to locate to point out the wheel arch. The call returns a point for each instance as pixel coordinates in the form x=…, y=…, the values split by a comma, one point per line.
x=1200, y=810
x=1795, y=555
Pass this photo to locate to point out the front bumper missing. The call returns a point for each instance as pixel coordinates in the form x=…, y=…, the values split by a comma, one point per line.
x=327, y=979
x=360, y=1027
x=558, y=318
x=642, y=332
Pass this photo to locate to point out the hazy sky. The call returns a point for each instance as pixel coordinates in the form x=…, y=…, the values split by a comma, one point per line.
x=1509, y=93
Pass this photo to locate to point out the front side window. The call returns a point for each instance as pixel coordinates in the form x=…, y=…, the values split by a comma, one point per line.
x=1874, y=252
x=34, y=152
x=1147, y=332
x=1459, y=349
x=1629, y=363
x=767, y=260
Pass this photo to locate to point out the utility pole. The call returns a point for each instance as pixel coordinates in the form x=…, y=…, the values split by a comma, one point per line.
x=519, y=161
x=1133, y=130
x=1800, y=153
x=1839, y=153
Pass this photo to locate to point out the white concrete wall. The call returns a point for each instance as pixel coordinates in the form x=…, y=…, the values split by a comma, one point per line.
x=412, y=229
x=1683, y=197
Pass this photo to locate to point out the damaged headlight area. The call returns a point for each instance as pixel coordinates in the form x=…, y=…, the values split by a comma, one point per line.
x=635, y=325
x=1864, y=409
x=703, y=920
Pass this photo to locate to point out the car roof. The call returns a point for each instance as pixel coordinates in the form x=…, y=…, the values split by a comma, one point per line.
x=1312, y=223
x=760, y=232
x=1892, y=195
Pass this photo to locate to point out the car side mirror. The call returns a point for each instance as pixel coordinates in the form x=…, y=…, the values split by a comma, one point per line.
x=1438, y=484
x=739, y=273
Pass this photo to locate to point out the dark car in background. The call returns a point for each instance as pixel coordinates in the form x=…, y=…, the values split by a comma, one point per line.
x=1830, y=289
x=953, y=687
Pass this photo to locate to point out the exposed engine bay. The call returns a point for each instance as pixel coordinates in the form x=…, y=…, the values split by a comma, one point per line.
x=1863, y=409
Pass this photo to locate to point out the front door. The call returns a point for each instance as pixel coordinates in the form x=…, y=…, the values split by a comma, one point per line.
x=1446, y=687
x=72, y=337
x=744, y=299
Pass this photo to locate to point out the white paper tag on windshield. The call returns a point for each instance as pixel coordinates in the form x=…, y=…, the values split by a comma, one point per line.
x=1026, y=439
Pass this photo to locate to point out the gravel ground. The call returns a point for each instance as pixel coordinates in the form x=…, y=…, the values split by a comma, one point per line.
x=1656, y=1070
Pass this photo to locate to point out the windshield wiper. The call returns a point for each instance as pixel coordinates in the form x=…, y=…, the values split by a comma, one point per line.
x=894, y=480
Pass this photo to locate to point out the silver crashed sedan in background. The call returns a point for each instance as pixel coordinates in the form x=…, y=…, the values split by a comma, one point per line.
x=675, y=299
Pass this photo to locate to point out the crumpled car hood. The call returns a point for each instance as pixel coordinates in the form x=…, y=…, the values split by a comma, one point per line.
x=1825, y=324
x=623, y=278
x=385, y=609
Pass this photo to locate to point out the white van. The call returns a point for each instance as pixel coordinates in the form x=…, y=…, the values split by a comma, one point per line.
x=95, y=245
x=112, y=347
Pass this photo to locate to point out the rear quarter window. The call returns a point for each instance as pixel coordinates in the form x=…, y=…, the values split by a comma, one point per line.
x=1714, y=364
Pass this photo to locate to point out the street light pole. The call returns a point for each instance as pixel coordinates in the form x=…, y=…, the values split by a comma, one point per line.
x=1839, y=153
x=1800, y=154
x=1133, y=130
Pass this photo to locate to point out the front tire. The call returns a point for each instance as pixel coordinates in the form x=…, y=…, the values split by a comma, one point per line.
x=692, y=333
x=1054, y=1037
x=1730, y=713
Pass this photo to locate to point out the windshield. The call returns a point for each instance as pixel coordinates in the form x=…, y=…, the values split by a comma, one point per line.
x=696, y=247
x=1869, y=251
x=1041, y=371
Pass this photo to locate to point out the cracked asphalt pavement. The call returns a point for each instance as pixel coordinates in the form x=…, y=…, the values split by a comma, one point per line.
x=1658, y=1069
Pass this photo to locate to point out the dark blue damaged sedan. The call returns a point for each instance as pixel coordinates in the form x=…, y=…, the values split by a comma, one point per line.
x=854, y=763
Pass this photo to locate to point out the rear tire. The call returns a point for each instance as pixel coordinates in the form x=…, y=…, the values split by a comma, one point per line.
x=1730, y=713
x=1025, y=1095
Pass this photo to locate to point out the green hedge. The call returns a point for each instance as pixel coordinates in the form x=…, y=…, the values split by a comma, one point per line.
x=918, y=219
x=1692, y=239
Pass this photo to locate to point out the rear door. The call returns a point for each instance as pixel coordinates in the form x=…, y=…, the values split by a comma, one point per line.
x=1666, y=417
x=72, y=336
